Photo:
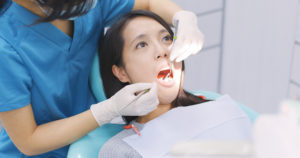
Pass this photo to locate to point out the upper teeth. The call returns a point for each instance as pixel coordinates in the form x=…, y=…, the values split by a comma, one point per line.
x=165, y=69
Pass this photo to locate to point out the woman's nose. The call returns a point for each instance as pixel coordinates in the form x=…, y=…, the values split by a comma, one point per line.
x=164, y=55
x=162, y=52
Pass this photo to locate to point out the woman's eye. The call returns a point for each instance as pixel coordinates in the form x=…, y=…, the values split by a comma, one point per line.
x=141, y=45
x=167, y=38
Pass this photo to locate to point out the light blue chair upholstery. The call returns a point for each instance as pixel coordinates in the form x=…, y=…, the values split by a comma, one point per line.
x=89, y=145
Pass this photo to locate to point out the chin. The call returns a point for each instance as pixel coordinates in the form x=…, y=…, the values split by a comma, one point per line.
x=167, y=96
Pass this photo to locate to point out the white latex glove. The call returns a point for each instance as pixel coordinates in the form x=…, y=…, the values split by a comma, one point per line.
x=126, y=103
x=189, y=38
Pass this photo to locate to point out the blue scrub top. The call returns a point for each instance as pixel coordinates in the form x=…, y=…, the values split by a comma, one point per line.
x=42, y=66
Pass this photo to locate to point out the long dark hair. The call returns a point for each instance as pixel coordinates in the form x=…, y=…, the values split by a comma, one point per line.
x=2, y=3
x=110, y=53
x=60, y=9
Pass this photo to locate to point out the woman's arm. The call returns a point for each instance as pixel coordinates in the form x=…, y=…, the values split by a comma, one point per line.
x=32, y=139
x=164, y=8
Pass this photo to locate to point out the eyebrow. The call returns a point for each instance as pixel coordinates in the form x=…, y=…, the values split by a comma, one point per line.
x=162, y=31
x=138, y=37
x=143, y=35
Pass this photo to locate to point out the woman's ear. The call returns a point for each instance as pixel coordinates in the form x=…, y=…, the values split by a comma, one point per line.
x=120, y=73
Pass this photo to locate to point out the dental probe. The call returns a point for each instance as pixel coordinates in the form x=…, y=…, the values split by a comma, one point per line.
x=174, y=39
x=140, y=94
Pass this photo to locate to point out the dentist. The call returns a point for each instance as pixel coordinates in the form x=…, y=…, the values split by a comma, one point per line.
x=46, y=51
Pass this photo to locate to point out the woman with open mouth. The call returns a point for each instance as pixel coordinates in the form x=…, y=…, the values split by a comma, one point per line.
x=137, y=49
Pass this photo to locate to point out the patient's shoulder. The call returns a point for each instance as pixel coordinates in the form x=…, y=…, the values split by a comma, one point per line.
x=117, y=148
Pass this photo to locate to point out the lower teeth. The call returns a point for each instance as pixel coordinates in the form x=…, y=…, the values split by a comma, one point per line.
x=167, y=79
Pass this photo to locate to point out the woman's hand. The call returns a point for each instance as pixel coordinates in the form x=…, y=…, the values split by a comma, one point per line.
x=189, y=38
x=126, y=102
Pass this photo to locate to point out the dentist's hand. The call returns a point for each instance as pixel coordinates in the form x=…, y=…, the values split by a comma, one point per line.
x=189, y=38
x=126, y=103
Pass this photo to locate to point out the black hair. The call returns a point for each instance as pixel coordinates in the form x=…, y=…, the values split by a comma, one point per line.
x=60, y=9
x=110, y=53
x=2, y=2
x=64, y=9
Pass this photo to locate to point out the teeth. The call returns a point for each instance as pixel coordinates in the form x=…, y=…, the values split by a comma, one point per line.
x=166, y=79
x=166, y=68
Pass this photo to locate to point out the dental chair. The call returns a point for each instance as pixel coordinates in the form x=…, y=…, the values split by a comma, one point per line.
x=89, y=145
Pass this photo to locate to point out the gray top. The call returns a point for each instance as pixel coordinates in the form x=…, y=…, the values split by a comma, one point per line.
x=115, y=147
x=212, y=121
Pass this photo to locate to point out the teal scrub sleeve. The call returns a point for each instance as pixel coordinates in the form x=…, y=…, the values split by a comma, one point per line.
x=114, y=9
x=15, y=80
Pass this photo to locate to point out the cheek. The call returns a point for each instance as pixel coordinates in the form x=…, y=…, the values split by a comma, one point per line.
x=140, y=70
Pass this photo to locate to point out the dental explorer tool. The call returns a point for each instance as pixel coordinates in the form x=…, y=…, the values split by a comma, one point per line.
x=174, y=39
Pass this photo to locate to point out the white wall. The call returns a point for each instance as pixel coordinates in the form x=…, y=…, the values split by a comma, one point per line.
x=252, y=50
x=294, y=87
x=258, y=50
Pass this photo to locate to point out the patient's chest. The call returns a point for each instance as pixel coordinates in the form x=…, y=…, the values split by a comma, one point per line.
x=216, y=120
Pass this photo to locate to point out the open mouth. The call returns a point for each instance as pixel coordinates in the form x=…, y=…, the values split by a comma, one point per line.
x=165, y=74
x=165, y=77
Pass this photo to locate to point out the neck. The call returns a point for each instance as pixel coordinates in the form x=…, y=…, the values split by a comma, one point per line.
x=31, y=6
x=161, y=109
x=65, y=26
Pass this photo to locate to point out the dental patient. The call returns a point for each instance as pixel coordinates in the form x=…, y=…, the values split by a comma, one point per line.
x=137, y=50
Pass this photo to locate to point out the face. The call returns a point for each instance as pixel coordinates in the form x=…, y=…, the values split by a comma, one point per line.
x=146, y=58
